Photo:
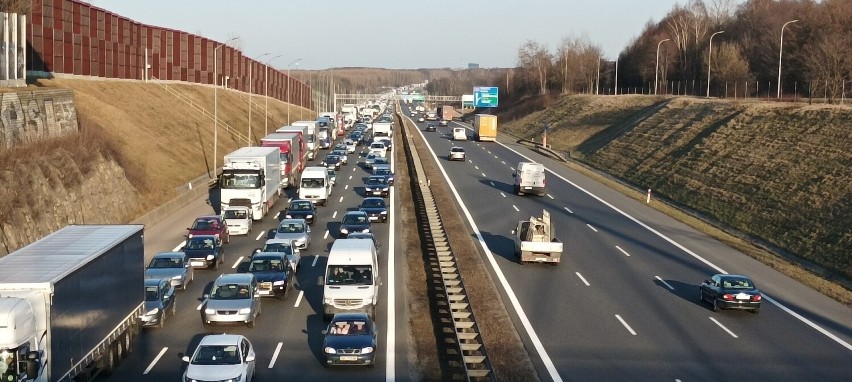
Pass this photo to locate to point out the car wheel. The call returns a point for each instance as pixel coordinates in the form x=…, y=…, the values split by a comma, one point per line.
x=715, y=305
x=700, y=296
x=162, y=320
x=174, y=309
x=250, y=323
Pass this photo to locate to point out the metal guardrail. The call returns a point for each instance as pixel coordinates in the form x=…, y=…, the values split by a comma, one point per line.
x=465, y=350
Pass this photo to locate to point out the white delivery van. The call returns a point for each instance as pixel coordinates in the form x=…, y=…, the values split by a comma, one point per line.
x=530, y=178
x=459, y=134
x=351, y=282
x=315, y=185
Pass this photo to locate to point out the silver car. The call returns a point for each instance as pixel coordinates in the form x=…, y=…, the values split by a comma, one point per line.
x=173, y=266
x=296, y=230
x=233, y=299
x=456, y=153
x=286, y=247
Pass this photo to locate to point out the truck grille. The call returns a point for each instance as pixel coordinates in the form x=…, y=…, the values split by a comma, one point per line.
x=348, y=302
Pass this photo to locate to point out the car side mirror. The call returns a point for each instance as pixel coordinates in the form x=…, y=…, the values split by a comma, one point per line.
x=185, y=359
x=513, y=232
x=250, y=358
x=320, y=280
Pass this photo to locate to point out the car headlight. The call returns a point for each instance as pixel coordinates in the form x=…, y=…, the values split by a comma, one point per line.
x=384, y=212
x=189, y=236
x=367, y=350
x=309, y=216
x=327, y=301
x=329, y=350
x=153, y=311
x=235, y=379
x=209, y=311
x=178, y=277
x=366, y=230
x=210, y=257
x=344, y=230
x=245, y=311
x=288, y=216
x=279, y=282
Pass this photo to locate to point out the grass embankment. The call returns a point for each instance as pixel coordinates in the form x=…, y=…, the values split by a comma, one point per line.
x=776, y=172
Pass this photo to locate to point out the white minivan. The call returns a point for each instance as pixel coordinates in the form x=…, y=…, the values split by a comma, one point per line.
x=459, y=134
x=315, y=185
x=351, y=282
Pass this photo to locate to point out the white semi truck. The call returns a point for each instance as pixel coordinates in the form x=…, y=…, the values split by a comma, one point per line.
x=70, y=303
x=251, y=177
x=310, y=137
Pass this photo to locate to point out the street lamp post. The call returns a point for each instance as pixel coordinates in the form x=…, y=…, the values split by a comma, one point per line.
x=657, y=65
x=251, y=69
x=780, y=53
x=296, y=61
x=266, y=95
x=216, y=102
x=710, y=57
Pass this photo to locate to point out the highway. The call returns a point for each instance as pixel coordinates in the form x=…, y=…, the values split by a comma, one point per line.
x=623, y=304
x=287, y=338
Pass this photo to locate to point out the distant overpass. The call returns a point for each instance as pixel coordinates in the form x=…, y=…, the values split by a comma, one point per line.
x=401, y=97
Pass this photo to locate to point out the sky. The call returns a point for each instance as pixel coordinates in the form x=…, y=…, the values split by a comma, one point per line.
x=400, y=34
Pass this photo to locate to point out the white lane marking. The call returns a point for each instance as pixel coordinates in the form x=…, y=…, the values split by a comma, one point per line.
x=353, y=169
x=489, y=151
x=178, y=246
x=582, y=278
x=476, y=167
x=334, y=215
x=629, y=329
x=276, y=215
x=314, y=263
x=512, y=168
x=723, y=327
x=470, y=161
x=346, y=187
x=390, y=346
x=350, y=177
x=483, y=175
x=325, y=236
x=275, y=355
x=237, y=263
x=568, y=209
x=492, y=184
x=516, y=208
x=495, y=157
x=664, y=282
x=718, y=269
x=341, y=200
x=622, y=251
x=299, y=299
x=259, y=235
x=513, y=299
x=503, y=162
x=154, y=362
x=502, y=194
x=593, y=228
x=550, y=196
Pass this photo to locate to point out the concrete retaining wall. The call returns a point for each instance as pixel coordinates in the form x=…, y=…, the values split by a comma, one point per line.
x=32, y=115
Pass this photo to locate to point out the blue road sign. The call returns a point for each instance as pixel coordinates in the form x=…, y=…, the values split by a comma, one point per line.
x=485, y=96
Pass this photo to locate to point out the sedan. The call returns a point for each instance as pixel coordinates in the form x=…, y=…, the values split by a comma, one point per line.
x=431, y=127
x=456, y=153
x=221, y=357
x=296, y=230
x=204, y=251
x=301, y=209
x=233, y=299
x=350, y=340
x=210, y=225
x=369, y=160
x=274, y=274
x=376, y=209
x=331, y=161
x=173, y=266
x=730, y=292
x=285, y=247
x=159, y=302
x=385, y=171
x=376, y=185
x=344, y=158
x=354, y=221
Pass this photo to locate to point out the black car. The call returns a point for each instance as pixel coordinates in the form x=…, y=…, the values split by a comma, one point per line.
x=356, y=137
x=159, y=302
x=730, y=292
x=376, y=185
x=331, y=161
x=350, y=340
x=385, y=171
x=376, y=209
x=431, y=127
x=273, y=272
x=204, y=251
x=300, y=209
x=354, y=221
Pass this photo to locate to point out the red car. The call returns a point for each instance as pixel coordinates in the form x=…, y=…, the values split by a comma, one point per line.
x=210, y=225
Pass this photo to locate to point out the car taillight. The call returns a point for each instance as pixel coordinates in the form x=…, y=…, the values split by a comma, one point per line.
x=756, y=298
x=728, y=297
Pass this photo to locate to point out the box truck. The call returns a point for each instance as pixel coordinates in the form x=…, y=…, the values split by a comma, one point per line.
x=290, y=146
x=311, y=136
x=251, y=177
x=70, y=303
x=485, y=126
x=303, y=136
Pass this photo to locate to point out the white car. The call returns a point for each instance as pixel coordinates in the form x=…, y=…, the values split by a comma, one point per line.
x=238, y=219
x=456, y=153
x=378, y=148
x=350, y=146
x=221, y=357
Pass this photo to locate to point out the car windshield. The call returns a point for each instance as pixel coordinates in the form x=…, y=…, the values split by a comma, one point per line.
x=199, y=243
x=205, y=225
x=166, y=262
x=239, y=181
x=457, y=150
x=373, y=203
x=236, y=214
x=349, y=328
x=377, y=146
x=332, y=159
x=376, y=181
x=355, y=219
x=382, y=171
x=291, y=228
x=266, y=265
x=737, y=284
x=230, y=292
x=278, y=248
x=313, y=182
x=301, y=206
x=350, y=275
x=152, y=294
x=217, y=355
x=371, y=156
x=331, y=172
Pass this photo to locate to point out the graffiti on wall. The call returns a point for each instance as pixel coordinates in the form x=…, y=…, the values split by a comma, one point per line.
x=27, y=117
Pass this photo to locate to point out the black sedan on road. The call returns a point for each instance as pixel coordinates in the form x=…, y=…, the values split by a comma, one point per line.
x=331, y=161
x=204, y=251
x=376, y=209
x=431, y=127
x=350, y=340
x=730, y=292
x=300, y=209
x=376, y=185
x=354, y=221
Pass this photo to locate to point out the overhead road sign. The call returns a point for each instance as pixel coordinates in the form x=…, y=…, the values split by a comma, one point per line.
x=485, y=96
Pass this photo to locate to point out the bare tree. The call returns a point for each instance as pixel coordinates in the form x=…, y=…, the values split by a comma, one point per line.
x=534, y=57
x=721, y=12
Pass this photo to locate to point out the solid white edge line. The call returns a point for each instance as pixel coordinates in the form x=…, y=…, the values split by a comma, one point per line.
x=238, y=262
x=154, y=362
x=590, y=226
x=629, y=329
x=314, y=263
x=691, y=253
x=299, y=299
x=513, y=299
x=275, y=355
x=325, y=236
x=516, y=208
x=583, y=279
x=664, y=282
x=723, y=327
x=622, y=251
x=259, y=235
x=390, y=346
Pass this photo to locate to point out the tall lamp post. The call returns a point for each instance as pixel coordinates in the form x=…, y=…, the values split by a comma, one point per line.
x=266, y=95
x=296, y=61
x=709, y=58
x=780, y=53
x=216, y=102
x=657, y=65
x=251, y=69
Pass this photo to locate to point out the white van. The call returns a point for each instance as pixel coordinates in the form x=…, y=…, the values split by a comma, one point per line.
x=315, y=185
x=530, y=178
x=459, y=134
x=351, y=282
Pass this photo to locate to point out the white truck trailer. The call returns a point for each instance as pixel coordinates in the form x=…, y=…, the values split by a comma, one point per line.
x=70, y=303
x=310, y=137
x=251, y=177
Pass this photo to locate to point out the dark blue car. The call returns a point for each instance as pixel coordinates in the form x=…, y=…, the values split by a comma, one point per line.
x=204, y=251
x=350, y=340
x=376, y=209
x=273, y=272
x=300, y=209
